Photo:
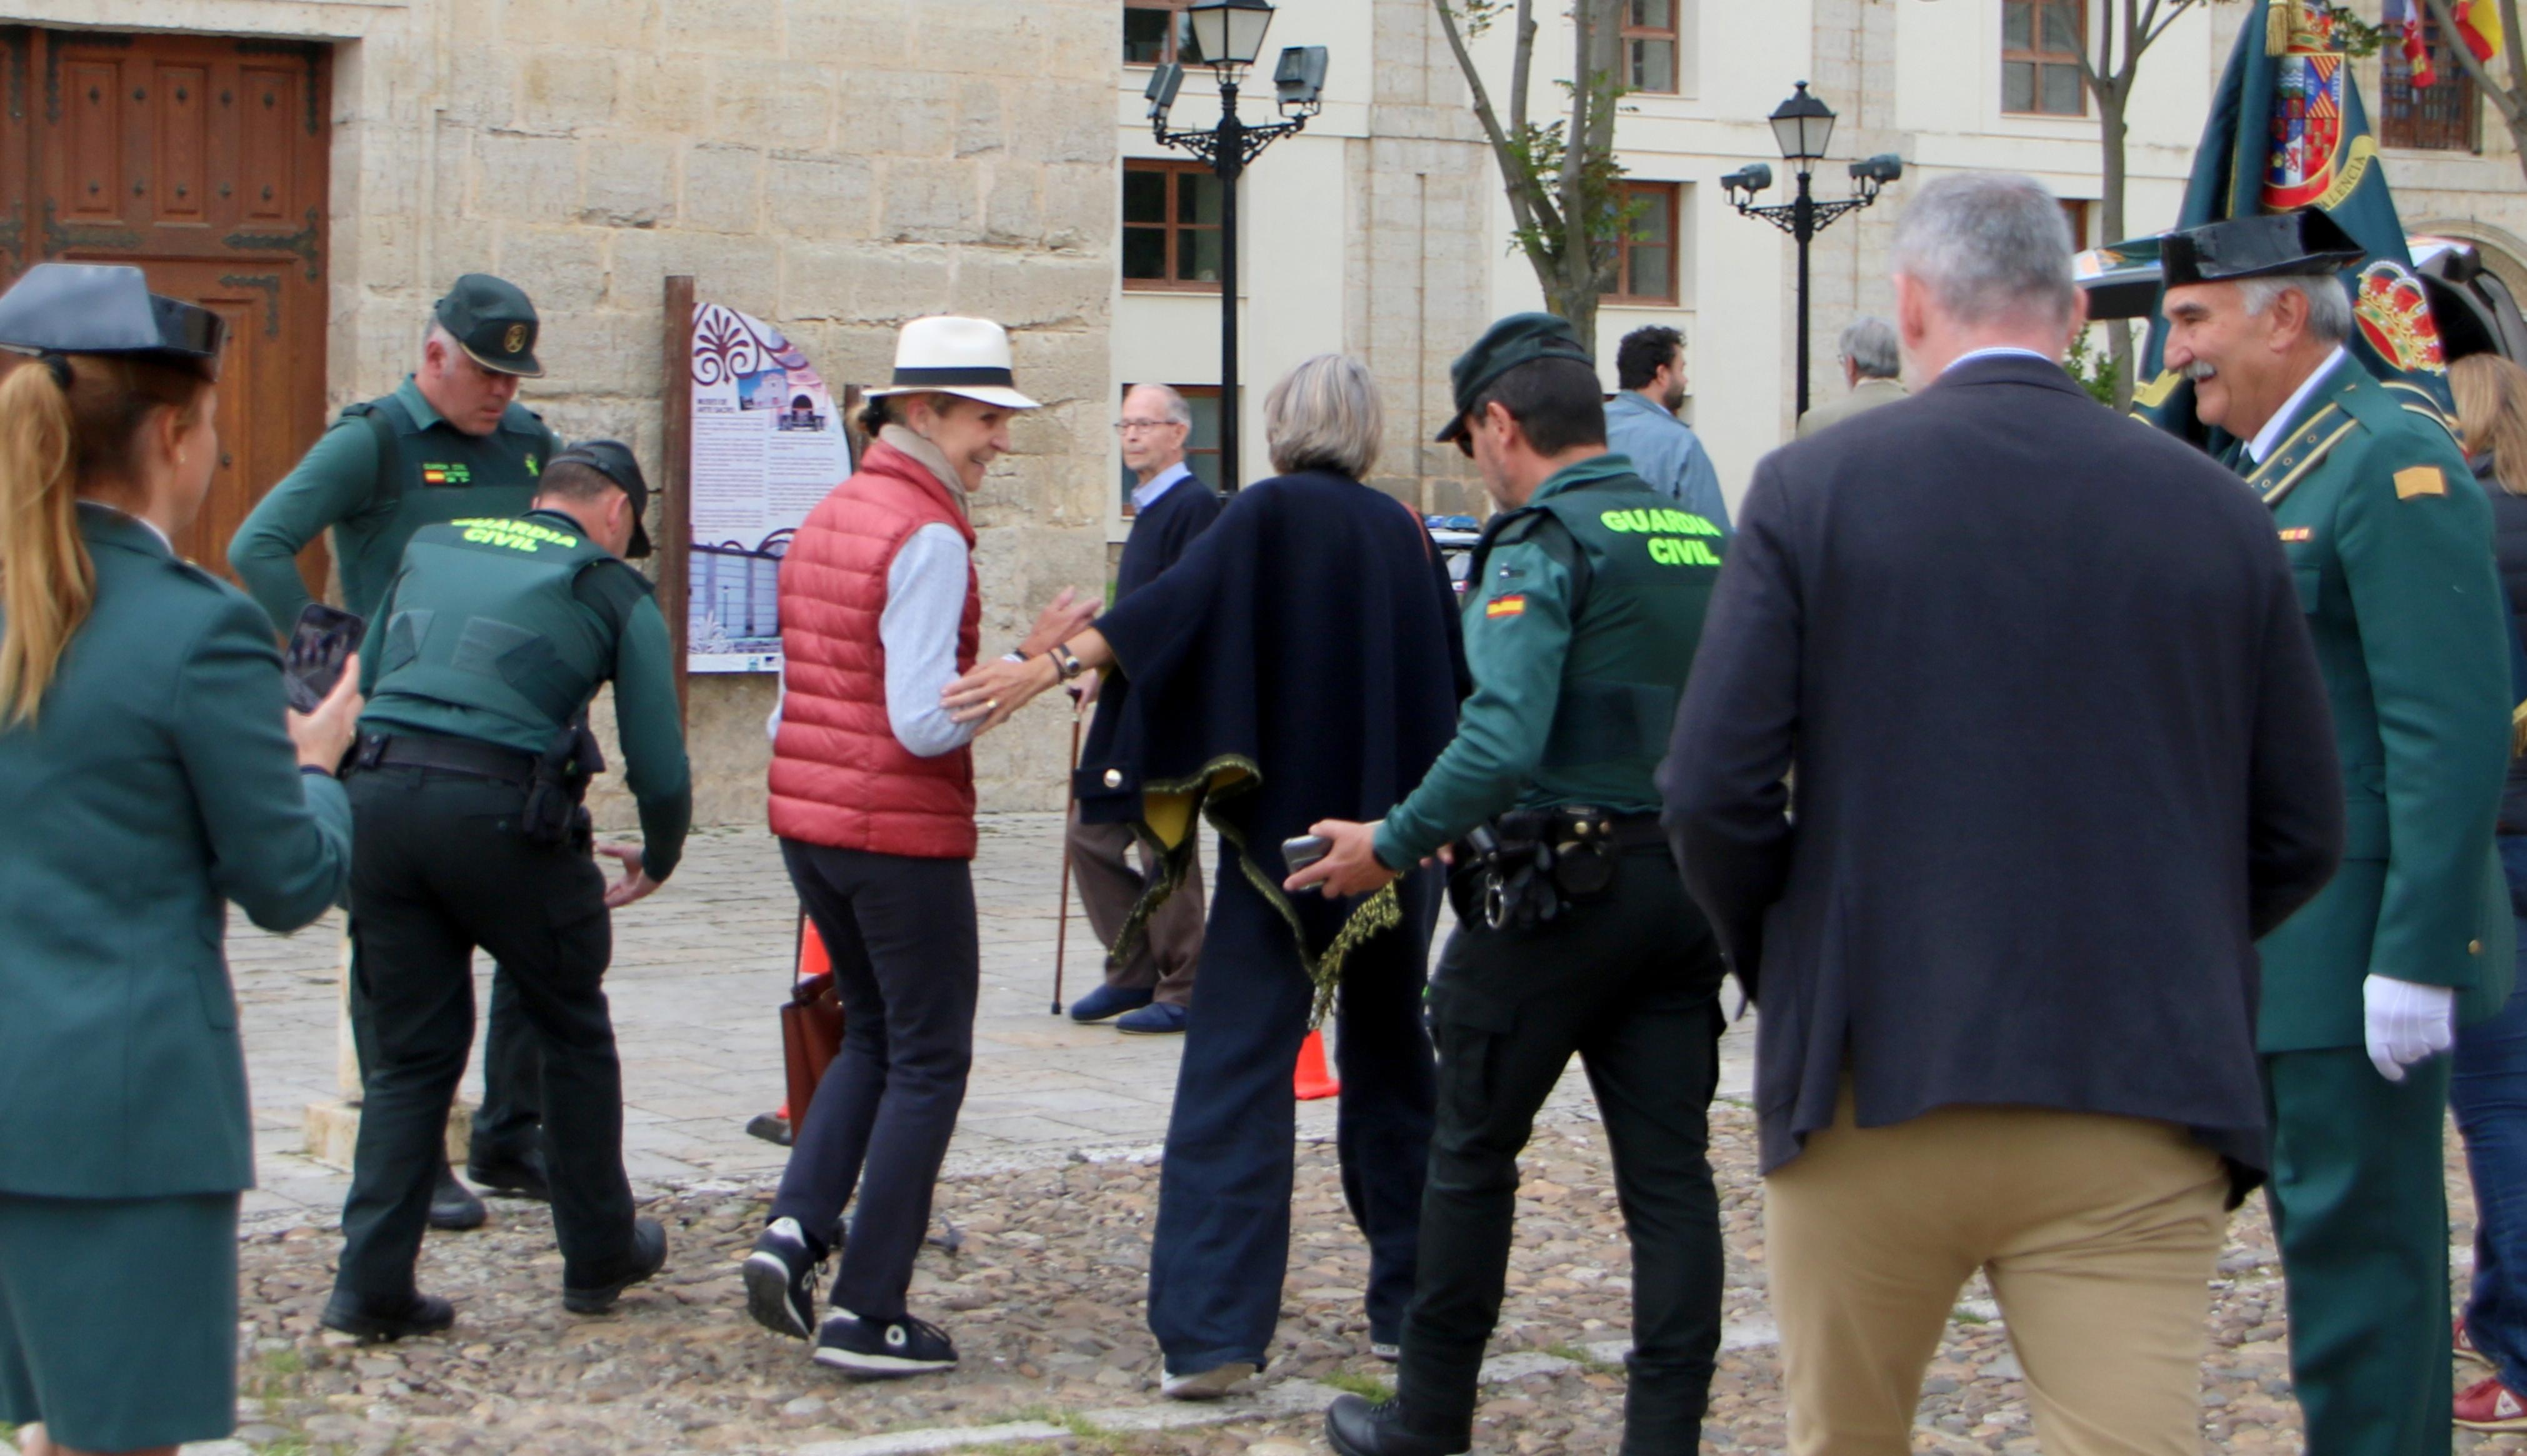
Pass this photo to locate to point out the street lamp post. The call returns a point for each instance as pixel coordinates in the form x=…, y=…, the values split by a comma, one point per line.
x=1802, y=126
x=1228, y=35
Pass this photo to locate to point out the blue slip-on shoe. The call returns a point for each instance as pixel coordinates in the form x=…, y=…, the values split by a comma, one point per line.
x=1106, y=1001
x=1157, y=1019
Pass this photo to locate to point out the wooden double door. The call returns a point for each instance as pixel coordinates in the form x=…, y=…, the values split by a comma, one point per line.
x=202, y=161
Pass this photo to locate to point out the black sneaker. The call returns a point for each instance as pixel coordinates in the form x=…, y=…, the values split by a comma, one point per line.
x=781, y=1280
x=426, y=1314
x=892, y=1347
x=596, y=1295
x=453, y=1208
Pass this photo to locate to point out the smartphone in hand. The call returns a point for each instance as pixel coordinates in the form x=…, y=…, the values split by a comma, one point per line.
x=1305, y=850
x=318, y=645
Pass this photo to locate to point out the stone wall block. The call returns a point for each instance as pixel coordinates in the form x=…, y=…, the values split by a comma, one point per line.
x=526, y=178
x=663, y=93
x=818, y=280
x=776, y=104
x=631, y=184
x=566, y=90
x=723, y=187
x=979, y=127
x=722, y=27
x=1013, y=209
x=1062, y=365
x=1064, y=121
x=1030, y=290
x=742, y=272
x=1080, y=210
x=481, y=87
x=898, y=114
x=821, y=195
x=390, y=252
x=894, y=285
x=862, y=36
x=923, y=203
x=960, y=35
x=621, y=23
x=592, y=354
x=562, y=269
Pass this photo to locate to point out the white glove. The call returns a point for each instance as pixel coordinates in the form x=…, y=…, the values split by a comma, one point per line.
x=2405, y=1023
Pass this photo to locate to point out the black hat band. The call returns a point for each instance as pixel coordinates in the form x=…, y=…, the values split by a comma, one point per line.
x=942, y=379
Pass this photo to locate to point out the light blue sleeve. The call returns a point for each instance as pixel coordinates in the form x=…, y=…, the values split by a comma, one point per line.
x=1701, y=484
x=925, y=605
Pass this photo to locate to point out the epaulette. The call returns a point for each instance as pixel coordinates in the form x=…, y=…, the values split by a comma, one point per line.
x=2417, y=400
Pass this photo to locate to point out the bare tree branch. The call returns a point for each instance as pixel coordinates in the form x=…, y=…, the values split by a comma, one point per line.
x=2509, y=103
x=1513, y=177
x=1521, y=65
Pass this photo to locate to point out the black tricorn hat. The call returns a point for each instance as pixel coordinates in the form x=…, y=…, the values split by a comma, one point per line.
x=2301, y=242
x=613, y=459
x=89, y=308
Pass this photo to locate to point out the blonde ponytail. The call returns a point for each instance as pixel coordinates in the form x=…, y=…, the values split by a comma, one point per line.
x=68, y=424
x=46, y=581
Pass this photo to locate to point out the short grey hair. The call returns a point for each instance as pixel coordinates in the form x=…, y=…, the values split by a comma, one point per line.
x=1177, y=411
x=2329, y=308
x=1325, y=415
x=1869, y=342
x=438, y=332
x=1989, y=246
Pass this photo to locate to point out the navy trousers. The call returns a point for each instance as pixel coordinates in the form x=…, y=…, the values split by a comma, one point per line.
x=1222, y=1243
x=2487, y=1091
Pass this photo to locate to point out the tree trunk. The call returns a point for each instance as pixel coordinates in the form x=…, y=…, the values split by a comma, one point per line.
x=2111, y=133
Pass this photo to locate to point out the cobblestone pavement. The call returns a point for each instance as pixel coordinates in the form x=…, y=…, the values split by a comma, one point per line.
x=1041, y=1279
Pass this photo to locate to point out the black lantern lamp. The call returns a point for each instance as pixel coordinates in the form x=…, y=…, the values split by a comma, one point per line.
x=1228, y=35
x=1802, y=126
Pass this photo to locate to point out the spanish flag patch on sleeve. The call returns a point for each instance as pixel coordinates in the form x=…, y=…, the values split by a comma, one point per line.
x=1511, y=605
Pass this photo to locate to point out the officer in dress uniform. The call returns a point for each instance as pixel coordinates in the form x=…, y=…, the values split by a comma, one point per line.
x=451, y=440
x=467, y=832
x=1573, y=932
x=2390, y=542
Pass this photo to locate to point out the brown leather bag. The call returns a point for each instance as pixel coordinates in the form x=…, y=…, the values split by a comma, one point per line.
x=811, y=1035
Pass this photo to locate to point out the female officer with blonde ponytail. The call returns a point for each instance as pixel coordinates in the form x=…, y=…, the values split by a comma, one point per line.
x=149, y=773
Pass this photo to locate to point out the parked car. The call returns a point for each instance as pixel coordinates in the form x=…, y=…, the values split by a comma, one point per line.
x=1454, y=536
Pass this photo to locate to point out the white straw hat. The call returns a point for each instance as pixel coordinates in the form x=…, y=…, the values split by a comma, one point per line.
x=948, y=355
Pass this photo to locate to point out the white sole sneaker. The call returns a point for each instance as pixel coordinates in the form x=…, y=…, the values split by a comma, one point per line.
x=1208, y=1385
x=878, y=1364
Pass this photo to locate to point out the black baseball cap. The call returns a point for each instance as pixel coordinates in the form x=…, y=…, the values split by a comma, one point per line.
x=493, y=322
x=2276, y=244
x=613, y=459
x=89, y=308
x=1520, y=338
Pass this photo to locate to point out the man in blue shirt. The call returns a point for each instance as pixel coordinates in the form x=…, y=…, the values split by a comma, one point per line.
x=1642, y=422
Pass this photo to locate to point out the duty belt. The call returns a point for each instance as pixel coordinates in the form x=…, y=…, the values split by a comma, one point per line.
x=1526, y=865
x=450, y=755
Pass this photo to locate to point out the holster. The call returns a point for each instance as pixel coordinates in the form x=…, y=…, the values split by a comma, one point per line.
x=558, y=787
x=1523, y=868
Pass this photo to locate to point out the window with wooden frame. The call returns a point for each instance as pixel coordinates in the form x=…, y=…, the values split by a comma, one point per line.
x=1171, y=238
x=1201, y=442
x=1646, y=253
x=2075, y=211
x=1650, y=45
x=1154, y=33
x=2441, y=117
x=2040, y=43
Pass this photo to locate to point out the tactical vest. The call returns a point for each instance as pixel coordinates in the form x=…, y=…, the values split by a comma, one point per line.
x=1642, y=576
x=429, y=477
x=487, y=618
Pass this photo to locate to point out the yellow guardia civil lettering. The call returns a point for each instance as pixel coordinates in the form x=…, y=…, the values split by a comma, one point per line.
x=1668, y=523
x=1670, y=551
x=2420, y=479
x=516, y=535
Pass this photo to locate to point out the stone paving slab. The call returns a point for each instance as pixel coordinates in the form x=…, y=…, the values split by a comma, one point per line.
x=700, y=972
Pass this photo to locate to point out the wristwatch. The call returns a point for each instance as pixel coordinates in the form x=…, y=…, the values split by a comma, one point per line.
x=1067, y=661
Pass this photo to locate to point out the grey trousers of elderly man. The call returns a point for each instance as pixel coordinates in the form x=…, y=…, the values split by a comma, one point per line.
x=1110, y=885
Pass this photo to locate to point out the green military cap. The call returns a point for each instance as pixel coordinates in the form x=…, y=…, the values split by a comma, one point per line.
x=493, y=322
x=613, y=459
x=1520, y=338
x=2301, y=242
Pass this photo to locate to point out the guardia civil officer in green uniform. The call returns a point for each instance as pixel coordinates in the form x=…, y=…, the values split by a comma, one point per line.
x=451, y=440
x=1585, y=603
x=149, y=776
x=465, y=789
x=2391, y=540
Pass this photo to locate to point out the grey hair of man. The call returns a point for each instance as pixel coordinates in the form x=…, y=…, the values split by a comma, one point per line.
x=2329, y=307
x=1991, y=247
x=1325, y=415
x=1870, y=345
x=1171, y=405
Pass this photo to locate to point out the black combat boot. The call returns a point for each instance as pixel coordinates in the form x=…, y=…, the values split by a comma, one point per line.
x=1356, y=1428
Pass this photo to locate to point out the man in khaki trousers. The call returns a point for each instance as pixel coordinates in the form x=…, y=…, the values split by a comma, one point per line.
x=2063, y=753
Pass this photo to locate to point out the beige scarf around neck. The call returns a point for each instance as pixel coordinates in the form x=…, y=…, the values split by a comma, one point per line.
x=932, y=459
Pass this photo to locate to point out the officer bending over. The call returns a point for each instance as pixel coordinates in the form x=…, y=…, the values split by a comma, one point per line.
x=468, y=831
x=1573, y=932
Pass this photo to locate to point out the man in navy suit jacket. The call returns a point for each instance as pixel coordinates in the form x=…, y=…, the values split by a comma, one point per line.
x=1148, y=991
x=2062, y=753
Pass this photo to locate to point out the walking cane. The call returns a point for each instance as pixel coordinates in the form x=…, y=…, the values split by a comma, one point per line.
x=1069, y=802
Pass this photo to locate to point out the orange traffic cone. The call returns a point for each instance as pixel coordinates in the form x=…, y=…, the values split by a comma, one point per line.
x=1312, y=1080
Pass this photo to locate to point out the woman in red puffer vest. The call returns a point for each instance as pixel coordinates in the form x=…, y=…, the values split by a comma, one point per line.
x=873, y=802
